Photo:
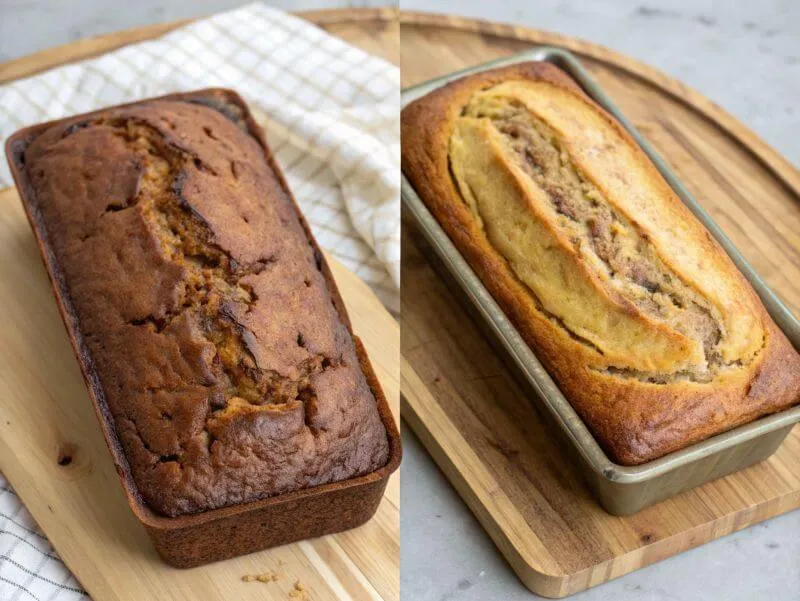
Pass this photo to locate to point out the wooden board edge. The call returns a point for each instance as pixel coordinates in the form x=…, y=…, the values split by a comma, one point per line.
x=417, y=404
x=89, y=47
x=774, y=161
x=37, y=62
x=679, y=543
x=784, y=170
x=528, y=556
x=335, y=16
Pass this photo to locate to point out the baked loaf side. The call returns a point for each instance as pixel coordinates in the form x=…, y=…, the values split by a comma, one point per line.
x=648, y=327
x=228, y=371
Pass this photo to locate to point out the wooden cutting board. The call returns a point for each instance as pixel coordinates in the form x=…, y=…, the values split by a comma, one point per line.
x=463, y=403
x=45, y=413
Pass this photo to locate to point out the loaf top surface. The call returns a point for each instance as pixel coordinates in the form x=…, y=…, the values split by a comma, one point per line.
x=650, y=330
x=203, y=306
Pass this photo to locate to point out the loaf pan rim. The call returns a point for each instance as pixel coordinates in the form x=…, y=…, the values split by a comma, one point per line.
x=548, y=392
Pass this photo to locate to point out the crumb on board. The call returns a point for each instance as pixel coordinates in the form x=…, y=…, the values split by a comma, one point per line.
x=265, y=577
x=300, y=592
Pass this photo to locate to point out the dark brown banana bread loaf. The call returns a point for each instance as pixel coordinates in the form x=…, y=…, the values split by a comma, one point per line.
x=225, y=360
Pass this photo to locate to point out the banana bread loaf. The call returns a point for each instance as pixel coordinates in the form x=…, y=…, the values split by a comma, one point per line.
x=642, y=319
x=215, y=336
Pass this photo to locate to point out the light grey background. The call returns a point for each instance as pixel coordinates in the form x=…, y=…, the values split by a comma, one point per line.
x=743, y=54
x=30, y=25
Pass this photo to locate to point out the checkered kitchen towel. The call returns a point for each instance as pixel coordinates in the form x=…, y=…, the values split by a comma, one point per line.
x=333, y=124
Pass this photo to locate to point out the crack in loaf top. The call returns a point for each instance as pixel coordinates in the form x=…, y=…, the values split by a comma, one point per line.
x=224, y=362
x=571, y=209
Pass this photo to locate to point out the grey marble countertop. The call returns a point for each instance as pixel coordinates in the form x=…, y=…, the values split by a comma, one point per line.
x=30, y=25
x=447, y=556
x=745, y=56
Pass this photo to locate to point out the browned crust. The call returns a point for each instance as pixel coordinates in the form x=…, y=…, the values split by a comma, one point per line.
x=634, y=421
x=194, y=527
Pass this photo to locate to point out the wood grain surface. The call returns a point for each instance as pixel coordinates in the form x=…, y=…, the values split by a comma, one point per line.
x=45, y=413
x=472, y=417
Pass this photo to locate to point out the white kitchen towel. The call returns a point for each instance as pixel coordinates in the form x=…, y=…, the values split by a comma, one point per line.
x=331, y=113
x=30, y=570
x=333, y=123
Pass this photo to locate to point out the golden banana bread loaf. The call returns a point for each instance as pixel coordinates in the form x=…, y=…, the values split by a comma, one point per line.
x=645, y=324
x=215, y=337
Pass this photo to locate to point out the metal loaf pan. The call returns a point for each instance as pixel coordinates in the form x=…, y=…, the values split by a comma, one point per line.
x=621, y=490
x=190, y=540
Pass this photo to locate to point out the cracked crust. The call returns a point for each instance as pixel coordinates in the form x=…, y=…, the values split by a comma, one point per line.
x=228, y=369
x=641, y=318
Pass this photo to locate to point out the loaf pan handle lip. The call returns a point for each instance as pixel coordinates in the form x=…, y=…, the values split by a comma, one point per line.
x=15, y=147
x=591, y=453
